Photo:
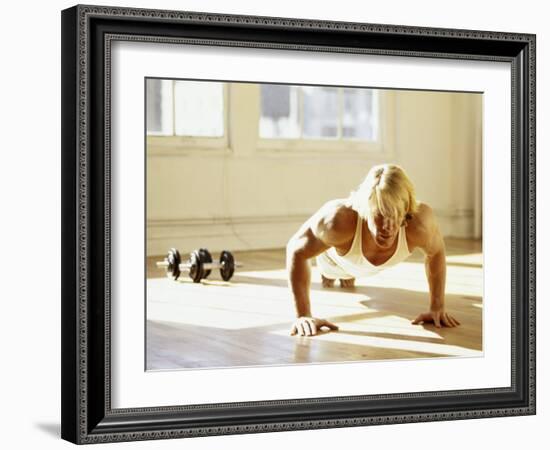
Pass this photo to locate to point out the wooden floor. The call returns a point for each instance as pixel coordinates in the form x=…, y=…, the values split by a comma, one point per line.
x=246, y=322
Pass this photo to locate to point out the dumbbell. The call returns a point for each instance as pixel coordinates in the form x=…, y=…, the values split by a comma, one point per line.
x=199, y=265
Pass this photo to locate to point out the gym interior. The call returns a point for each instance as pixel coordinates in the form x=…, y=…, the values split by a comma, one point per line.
x=239, y=167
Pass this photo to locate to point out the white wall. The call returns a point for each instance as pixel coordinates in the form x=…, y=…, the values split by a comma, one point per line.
x=30, y=193
x=252, y=197
x=439, y=144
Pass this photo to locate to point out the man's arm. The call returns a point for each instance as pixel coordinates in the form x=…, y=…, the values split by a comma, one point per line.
x=322, y=231
x=302, y=247
x=432, y=244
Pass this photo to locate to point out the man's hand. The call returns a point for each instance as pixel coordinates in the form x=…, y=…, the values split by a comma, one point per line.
x=438, y=317
x=310, y=326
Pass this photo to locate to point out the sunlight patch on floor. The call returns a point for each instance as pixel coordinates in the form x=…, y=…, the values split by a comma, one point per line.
x=468, y=258
x=278, y=274
x=240, y=305
x=220, y=318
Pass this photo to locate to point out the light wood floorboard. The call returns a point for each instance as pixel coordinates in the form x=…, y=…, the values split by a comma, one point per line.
x=246, y=322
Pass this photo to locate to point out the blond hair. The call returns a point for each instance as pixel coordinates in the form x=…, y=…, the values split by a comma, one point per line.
x=386, y=190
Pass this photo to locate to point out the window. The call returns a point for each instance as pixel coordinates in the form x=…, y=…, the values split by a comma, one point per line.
x=185, y=108
x=319, y=114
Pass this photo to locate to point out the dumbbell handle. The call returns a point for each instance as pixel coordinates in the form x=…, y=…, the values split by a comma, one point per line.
x=187, y=266
x=206, y=266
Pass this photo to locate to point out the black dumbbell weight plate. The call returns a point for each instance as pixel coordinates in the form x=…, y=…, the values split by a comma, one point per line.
x=196, y=272
x=205, y=257
x=174, y=260
x=227, y=263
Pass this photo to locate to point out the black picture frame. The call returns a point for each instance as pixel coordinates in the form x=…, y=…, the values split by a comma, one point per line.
x=87, y=415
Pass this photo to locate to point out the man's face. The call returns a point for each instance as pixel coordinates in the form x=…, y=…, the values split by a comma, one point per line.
x=383, y=230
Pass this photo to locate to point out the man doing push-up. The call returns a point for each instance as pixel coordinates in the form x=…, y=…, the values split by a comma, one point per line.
x=376, y=227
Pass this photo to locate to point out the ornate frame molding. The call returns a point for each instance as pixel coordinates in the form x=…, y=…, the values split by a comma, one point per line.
x=80, y=418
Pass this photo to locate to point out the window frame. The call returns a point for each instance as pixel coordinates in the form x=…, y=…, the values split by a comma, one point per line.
x=173, y=145
x=356, y=146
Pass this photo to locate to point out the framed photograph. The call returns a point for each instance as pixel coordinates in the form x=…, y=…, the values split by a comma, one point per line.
x=280, y=224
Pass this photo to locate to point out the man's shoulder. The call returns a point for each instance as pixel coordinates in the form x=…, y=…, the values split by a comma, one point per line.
x=336, y=221
x=424, y=215
x=421, y=223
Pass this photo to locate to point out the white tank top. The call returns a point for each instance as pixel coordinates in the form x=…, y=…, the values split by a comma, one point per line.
x=355, y=263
